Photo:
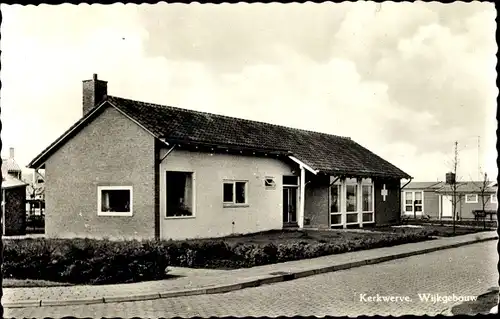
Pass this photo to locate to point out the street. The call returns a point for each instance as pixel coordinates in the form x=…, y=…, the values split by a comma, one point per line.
x=392, y=288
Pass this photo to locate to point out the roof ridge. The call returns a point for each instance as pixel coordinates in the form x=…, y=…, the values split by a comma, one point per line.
x=226, y=116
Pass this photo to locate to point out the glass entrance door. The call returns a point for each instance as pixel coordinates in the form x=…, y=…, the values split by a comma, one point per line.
x=289, y=204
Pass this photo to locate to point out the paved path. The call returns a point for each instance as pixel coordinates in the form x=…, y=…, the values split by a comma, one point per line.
x=208, y=279
x=468, y=270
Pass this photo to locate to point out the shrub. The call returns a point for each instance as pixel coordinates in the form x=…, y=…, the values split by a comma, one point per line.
x=84, y=261
x=88, y=261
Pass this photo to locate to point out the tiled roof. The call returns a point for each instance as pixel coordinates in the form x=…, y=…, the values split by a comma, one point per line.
x=11, y=182
x=424, y=185
x=468, y=187
x=325, y=153
x=10, y=165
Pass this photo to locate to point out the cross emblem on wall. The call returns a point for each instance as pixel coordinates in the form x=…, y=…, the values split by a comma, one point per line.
x=384, y=193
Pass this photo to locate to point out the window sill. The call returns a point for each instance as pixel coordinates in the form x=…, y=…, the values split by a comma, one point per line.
x=114, y=214
x=471, y=202
x=179, y=217
x=228, y=205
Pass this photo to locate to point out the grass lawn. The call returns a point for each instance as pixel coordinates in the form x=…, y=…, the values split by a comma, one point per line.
x=328, y=236
x=285, y=236
x=278, y=237
x=489, y=224
x=442, y=231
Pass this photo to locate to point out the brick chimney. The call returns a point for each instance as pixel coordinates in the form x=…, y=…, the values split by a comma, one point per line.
x=11, y=153
x=94, y=92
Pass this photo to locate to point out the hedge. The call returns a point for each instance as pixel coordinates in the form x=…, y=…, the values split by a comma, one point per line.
x=91, y=261
x=84, y=261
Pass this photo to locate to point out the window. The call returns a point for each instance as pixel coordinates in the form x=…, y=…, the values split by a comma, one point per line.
x=367, y=199
x=335, y=220
x=352, y=198
x=367, y=217
x=335, y=199
x=352, y=218
x=180, y=196
x=235, y=192
x=114, y=201
x=291, y=180
x=269, y=183
x=493, y=199
x=408, y=201
x=471, y=198
x=418, y=201
x=414, y=202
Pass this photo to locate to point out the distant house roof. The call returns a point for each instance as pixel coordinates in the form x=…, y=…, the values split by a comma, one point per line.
x=11, y=182
x=10, y=165
x=424, y=185
x=322, y=152
x=469, y=187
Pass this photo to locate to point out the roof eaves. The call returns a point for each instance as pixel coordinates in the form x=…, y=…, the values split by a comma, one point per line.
x=302, y=164
x=368, y=174
x=229, y=146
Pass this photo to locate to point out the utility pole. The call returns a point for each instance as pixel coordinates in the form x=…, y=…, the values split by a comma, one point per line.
x=478, y=159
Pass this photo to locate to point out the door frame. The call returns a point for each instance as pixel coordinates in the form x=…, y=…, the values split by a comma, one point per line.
x=289, y=188
x=448, y=199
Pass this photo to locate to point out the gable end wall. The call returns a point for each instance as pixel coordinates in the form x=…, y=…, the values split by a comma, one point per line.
x=110, y=150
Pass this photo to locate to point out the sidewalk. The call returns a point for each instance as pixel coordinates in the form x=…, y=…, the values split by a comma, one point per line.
x=199, y=281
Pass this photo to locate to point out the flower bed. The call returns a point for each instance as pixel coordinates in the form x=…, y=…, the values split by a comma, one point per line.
x=89, y=261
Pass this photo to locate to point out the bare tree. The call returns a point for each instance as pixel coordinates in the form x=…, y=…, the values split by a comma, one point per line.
x=484, y=193
x=34, y=189
x=455, y=196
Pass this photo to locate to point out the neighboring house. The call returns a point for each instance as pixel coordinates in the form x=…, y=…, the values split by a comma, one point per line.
x=10, y=166
x=469, y=199
x=435, y=199
x=420, y=198
x=13, y=198
x=130, y=169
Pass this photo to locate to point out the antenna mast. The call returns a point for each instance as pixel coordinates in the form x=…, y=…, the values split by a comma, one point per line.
x=478, y=159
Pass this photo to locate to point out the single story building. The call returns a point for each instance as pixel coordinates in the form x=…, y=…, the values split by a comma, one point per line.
x=13, y=197
x=131, y=169
x=435, y=199
x=420, y=198
x=470, y=198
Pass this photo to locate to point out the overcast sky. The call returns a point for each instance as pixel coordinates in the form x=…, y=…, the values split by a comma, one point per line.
x=405, y=80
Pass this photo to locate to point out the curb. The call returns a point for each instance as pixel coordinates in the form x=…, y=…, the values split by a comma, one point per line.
x=264, y=280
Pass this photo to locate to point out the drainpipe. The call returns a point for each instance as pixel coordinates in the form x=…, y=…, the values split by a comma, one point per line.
x=411, y=178
x=401, y=206
x=166, y=154
x=302, y=196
